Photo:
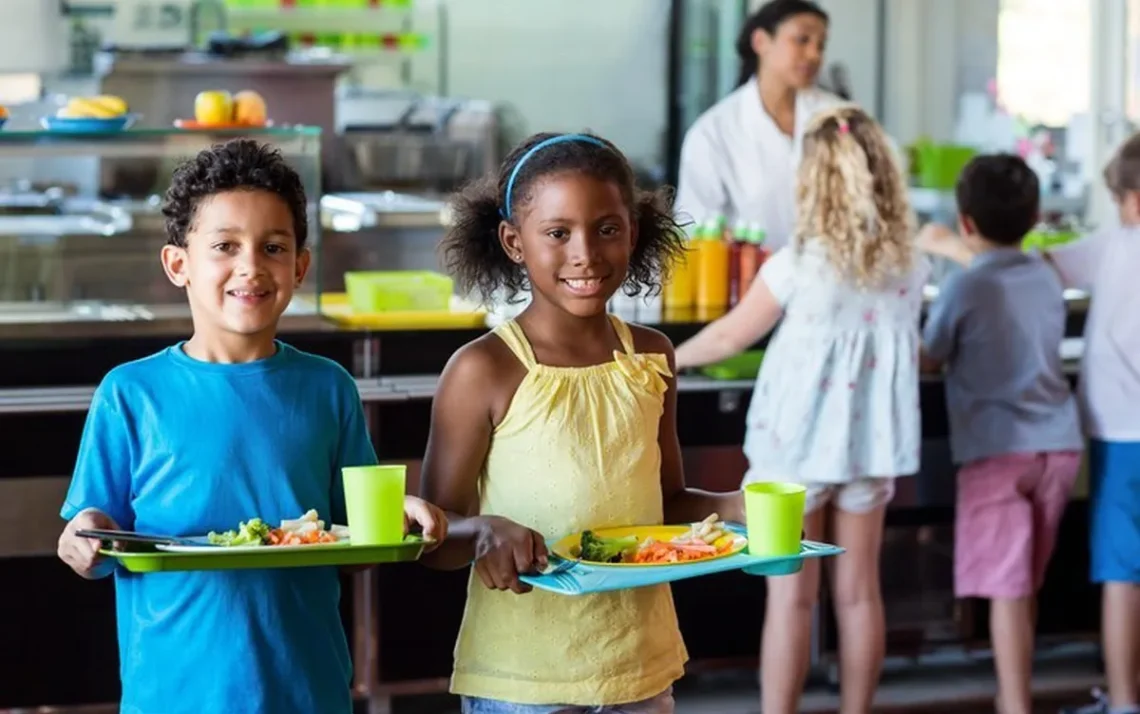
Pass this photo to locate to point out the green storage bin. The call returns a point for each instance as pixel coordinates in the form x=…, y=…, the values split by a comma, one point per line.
x=745, y=365
x=1045, y=240
x=374, y=291
x=939, y=165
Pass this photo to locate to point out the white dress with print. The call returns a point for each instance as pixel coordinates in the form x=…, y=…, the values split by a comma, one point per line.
x=837, y=396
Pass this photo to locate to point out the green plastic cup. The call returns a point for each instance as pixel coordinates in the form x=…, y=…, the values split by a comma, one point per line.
x=775, y=513
x=374, y=500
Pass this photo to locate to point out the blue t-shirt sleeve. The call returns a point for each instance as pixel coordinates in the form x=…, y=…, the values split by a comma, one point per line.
x=355, y=444
x=102, y=476
x=941, y=327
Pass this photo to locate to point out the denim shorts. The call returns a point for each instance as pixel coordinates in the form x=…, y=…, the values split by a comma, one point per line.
x=661, y=704
x=1114, y=511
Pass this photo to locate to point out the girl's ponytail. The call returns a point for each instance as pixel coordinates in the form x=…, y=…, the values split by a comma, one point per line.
x=470, y=249
x=852, y=197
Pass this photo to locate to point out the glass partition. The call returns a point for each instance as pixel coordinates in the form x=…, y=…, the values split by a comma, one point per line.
x=81, y=230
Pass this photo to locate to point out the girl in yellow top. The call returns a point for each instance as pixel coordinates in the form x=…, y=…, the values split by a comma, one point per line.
x=561, y=420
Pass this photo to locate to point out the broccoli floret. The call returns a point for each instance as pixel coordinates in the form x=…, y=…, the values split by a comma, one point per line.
x=251, y=532
x=606, y=550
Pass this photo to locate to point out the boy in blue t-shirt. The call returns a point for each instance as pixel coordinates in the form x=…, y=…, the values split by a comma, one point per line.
x=228, y=425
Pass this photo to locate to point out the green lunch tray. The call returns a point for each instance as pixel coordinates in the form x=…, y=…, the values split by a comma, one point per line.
x=156, y=561
x=745, y=365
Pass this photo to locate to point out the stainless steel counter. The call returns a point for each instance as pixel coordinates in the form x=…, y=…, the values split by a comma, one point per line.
x=44, y=400
x=99, y=320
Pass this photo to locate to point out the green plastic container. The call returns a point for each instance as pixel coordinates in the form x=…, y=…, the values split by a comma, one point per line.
x=775, y=513
x=939, y=165
x=370, y=292
x=155, y=561
x=745, y=365
x=374, y=499
x=1046, y=239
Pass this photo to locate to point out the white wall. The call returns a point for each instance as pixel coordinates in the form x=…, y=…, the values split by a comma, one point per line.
x=854, y=41
x=568, y=65
x=601, y=65
x=936, y=50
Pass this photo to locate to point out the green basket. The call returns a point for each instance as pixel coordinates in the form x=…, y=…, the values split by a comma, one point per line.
x=745, y=365
x=370, y=292
x=939, y=165
x=1044, y=240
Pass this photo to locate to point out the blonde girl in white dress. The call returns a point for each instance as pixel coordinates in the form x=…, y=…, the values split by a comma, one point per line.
x=836, y=402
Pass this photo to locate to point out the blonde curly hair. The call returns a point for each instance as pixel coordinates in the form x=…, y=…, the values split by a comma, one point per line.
x=851, y=197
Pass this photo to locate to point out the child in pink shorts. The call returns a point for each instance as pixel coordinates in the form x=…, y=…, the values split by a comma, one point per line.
x=997, y=327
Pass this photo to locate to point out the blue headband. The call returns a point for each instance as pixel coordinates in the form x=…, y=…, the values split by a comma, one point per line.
x=561, y=138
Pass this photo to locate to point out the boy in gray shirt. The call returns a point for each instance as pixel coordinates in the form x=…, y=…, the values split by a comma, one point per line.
x=996, y=327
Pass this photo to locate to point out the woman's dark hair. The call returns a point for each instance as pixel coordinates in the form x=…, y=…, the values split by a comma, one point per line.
x=471, y=250
x=768, y=18
x=238, y=164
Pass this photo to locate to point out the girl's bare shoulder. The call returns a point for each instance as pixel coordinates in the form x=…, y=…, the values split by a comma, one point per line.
x=485, y=360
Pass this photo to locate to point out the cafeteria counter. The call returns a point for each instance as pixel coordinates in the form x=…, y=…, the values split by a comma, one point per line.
x=46, y=384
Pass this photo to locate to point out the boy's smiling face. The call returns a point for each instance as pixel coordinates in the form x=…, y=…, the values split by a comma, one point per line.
x=240, y=264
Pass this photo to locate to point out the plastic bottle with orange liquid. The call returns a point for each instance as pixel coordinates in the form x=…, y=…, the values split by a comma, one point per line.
x=680, y=289
x=713, y=253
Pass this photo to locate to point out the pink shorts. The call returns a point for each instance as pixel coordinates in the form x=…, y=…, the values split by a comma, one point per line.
x=1009, y=509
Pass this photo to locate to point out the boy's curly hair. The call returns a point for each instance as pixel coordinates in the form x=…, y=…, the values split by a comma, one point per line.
x=471, y=250
x=852, y=197
x=238, y=164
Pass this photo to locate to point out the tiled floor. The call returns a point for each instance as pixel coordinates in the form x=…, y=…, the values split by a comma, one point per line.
x=956, y=688
x=942, y=690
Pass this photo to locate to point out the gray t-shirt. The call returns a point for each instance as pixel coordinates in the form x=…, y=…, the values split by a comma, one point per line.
x=998, y=326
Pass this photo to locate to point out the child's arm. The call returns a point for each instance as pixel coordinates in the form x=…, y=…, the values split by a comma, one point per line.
x=472, y=390
x=682, y=505
x=99, y=495
x=936, y=239
x=928, y=364
x=940, y=332
x=1077, y=262
x=752, y=318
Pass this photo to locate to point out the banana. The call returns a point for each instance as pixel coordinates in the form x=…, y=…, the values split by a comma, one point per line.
x=115, y=104
x=100, y=107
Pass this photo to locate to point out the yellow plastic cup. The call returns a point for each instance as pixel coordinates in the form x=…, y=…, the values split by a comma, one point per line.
x=775, y=513
x=374, y=500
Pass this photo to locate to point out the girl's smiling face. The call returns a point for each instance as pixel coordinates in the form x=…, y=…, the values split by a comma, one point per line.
x=575, y=238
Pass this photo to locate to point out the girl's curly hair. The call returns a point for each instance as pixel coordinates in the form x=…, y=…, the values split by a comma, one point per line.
x=851, y=197
x=471, y=250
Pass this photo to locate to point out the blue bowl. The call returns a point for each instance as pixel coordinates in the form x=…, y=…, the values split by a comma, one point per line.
x=3, y=122
x=69, y=125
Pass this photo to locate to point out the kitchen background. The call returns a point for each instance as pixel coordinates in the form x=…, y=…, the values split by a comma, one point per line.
x=413, y=97
x=926, y=68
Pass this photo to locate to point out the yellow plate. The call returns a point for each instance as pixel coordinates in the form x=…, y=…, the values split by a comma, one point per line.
x=568, y=547
x=335, y=307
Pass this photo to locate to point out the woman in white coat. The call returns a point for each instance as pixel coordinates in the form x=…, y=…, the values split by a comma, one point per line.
x=739, y=159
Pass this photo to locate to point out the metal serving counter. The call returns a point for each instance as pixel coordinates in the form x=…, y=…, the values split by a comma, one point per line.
x=46, y=382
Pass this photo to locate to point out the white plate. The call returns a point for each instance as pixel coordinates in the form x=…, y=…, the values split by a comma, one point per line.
x=219, y=549
x=243, y=549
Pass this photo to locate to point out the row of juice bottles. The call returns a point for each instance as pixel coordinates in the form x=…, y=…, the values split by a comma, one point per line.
x=718, y=267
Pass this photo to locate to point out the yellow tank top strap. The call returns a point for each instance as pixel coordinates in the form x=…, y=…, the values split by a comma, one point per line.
x=512, y=334
x=623, y=333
